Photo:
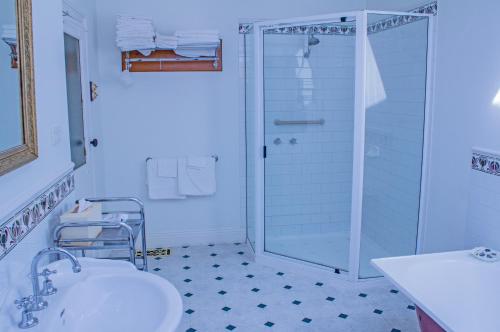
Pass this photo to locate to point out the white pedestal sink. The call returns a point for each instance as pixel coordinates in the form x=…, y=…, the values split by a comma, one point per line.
x=107, y=296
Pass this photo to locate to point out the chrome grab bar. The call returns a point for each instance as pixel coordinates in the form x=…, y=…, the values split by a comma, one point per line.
x=299, y=122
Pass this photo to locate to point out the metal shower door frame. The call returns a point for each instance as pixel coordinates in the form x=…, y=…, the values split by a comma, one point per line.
x=359, y=136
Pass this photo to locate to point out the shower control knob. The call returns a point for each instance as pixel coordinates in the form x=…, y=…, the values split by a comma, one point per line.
x=277, y=141
x=293, y=141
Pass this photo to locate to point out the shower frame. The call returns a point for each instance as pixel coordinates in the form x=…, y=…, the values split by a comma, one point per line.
x=276, y=260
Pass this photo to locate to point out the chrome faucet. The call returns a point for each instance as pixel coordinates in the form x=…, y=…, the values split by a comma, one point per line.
x=36, y=301
x=39, y=303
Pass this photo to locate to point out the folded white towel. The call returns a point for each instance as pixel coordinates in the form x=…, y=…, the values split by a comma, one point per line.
x=120, y=217
x=197, y=176
x=9, y=34
x=196, y=53
x=135, y=33
x=166, y=42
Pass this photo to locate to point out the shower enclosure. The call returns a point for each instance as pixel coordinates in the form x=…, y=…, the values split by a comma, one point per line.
x=337, y=122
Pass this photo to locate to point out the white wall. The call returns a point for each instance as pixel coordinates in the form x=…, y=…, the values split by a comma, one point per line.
x=170, y=114
x=20, y=186
x=471, y=92
x=468, y=77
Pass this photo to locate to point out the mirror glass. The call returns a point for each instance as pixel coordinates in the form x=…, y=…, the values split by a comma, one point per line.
x=11, y=118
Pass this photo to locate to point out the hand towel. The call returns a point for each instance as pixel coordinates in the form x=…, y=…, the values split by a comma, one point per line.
x=161, y=187
x=167, y=167
x=196, y=176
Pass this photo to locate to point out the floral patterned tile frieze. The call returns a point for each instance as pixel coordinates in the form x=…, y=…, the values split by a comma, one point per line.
x=486, y=162
x=349, y=30
x=15, y=229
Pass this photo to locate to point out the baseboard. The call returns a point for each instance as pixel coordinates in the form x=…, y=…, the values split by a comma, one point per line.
x=192, y=238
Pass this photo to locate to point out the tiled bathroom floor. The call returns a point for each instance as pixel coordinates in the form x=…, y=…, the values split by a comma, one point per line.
x=224, y=290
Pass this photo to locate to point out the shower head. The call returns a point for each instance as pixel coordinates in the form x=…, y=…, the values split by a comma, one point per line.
x=311, y=41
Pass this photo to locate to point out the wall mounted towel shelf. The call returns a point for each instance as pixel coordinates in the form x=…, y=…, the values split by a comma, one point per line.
x=169, y=61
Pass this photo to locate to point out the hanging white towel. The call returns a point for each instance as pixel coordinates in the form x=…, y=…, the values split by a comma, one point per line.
x=163, y=183
x=197, y=176
x=167, y=167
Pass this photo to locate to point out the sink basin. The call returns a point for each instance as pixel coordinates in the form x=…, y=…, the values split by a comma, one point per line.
x=108, y=296
x=457, y=291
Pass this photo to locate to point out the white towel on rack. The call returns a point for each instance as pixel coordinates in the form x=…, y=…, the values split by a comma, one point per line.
x=198, y=39
x=9, y=34
x=166, y=186
x=197, y=176
x=135, y=33
x=196, y=53
x=166, y=42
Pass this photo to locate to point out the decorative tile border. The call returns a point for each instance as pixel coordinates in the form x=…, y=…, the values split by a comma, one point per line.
x=320, y=29
x=14, y=230
x=397, y=21
x=245, y=28
x=486, y=162
x=349, y=30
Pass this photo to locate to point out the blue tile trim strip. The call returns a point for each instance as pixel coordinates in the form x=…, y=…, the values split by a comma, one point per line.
x=349, y=30
x=15, y=229
x=486, y=162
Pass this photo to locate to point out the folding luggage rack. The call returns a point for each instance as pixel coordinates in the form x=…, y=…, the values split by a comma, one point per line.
x=115, y=235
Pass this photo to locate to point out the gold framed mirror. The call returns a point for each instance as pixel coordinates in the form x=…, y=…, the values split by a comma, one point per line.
x=18, y=135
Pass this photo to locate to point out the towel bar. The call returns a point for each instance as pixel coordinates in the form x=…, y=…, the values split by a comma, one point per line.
x=216, y=157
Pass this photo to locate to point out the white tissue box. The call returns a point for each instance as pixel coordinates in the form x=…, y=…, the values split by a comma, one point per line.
x=93, y=213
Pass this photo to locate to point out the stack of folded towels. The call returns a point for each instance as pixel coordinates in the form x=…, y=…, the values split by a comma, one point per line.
x=135, y=33
x=9, y=34
x=192, y=43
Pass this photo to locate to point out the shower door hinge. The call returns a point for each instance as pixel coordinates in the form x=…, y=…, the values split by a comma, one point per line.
x=264, y=152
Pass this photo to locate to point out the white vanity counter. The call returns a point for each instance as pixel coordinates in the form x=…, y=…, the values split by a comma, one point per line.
x=459, y=292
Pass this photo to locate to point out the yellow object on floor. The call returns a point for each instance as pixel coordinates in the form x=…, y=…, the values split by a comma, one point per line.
x=158, y=252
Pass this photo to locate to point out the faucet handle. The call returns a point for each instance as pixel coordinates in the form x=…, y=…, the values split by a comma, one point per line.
x=48, y=287
x=28, y=320
x=24, y=302
x=47, y=273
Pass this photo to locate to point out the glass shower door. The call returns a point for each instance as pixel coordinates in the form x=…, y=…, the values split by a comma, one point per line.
x=309, y=83
x=396, y=84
